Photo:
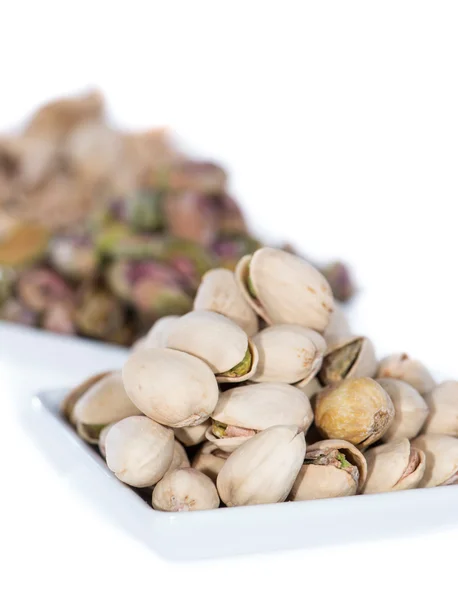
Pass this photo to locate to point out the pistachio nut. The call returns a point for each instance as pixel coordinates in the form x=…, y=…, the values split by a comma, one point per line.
x=410, y=410
x=210, y=460
x=441, y=459
x=40, y=287
x=73, y=256
x=139, y=451
x=347, y=358
x=230, y=248
x=264, y=468
x=23, y=244
x=443, y=406
x=102, y=439
x=58, y=318
x=218, y=291
x=16, y=312
x=8, y=278
x=331, y=469
x=218, y=341
x=283, y=288
x=338, y=326
x=288, y=353
x=185, y=490
x=393, y=467
x=144, y=209
x=171, y=387
x=192, y=216
x=338, y=276
x=356, y=410
x=68, y=403
x=401, y=366
x=158, y=334
x=243, y=411
x=180, y=459
x=311, y=388
x=98, y=313
x=191, y=436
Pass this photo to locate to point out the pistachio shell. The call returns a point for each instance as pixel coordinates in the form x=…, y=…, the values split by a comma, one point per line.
x=185, y=490
x=401, y=366
x=68, y=403
x=288, y=289
x=338, y=326
x=288, y=353
x=443, y=404
x=139, y=451
x=393, y=467
x=191, y=436
x=441, y=458
x=410, y=410
x=356, y=410
x=158, y=334
x=219, y=292
x=210, y=460
x=180, y=459
x=311, y=388
x=102, y=439
x=263, y=469
x=171, y=387
x=347, y=358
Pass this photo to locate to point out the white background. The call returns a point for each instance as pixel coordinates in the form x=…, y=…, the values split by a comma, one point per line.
x=339, y=124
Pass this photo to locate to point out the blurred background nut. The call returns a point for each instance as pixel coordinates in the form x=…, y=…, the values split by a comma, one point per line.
x=443, y=409
x=401, y=366
x=39, y=288
x=441, y=459
x=338, y=326
x=210, y=460
x=185, y=490
x=348, y=358
x=191, y=436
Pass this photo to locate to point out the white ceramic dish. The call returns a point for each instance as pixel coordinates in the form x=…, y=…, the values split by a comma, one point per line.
x=225, y=532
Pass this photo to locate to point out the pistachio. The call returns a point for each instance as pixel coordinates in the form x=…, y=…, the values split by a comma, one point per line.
x=58, y=318
x=15, y=312
x=356, y=410
x=218, y=341
x=180, y=459
x=332, y=469
x=210, y=460
x=102, y=439
x=443, y=405
x=288, y=353
x=401, y=366
x=191, y=436
x=219, y=292
x=311, y=388
x=73, y=256
x=171, y=387
x=70, y=400
x=338, y=326
x=243, y=411
x=158, y=334
x=230, y=248
x=144, y=210
x=339, y=279
x=285, y=289
x=185, y=490
x=441, y=459
x=40, y=287
x=410, y=409
x=99, y=314
x=264, y=468
x=139, y=451
x=394, y=466
x=348, y=358
x=23, y=245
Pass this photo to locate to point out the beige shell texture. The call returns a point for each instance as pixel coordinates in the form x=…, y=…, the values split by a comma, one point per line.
x=218, y=291
x=401, y=366
x=210, y=460
x=180, y=459
x=75, y=394
x=288, y=353
x=185, y=490
x=364, y=365
x=102, y=439
x=410, y=410
x=171, y=387
x=443, y=406
x=289, y=289
x=191, y=436
x=441, y=458
x=158, y=334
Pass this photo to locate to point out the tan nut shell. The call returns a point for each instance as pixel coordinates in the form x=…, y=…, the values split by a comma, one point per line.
x=102, y=439
x=441, y=458
x=365, y=364
x=289, y=289
x=185, y=490
x=410, y=410
x=219, y=292
x=386, y=465
x=68, y=403
x=338, y=326
x=180, y=459
x=215, y=339
x=171, y=387
x=158, y=334
x=191, y=436
x=139, y=451
x=210, y=460
x=443, y=404
x=288, y=353
x=401, y=366
x=326, y=481
x=356, y=410
x=263, y=469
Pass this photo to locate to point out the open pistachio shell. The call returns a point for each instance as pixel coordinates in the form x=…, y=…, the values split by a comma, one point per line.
x=210, y=460
x=338, y=327
x=283, y=288
x=332, y=469
x=443, y=405
x=401, y=366
x=288, y=353
x=180, y=459
x=393, y=467
x=441, y=459
x=263, y=469
x=219, y=292
x=185, y=490
x=409, y=407
x=171, y=387
x=347, y=358
x=191, y=436
x=68, y=403
x=218, y=341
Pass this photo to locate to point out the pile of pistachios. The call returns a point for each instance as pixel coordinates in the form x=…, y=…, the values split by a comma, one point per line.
x=261, y=394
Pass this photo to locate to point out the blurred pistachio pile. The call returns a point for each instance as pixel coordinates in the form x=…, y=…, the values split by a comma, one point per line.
x=103, y=231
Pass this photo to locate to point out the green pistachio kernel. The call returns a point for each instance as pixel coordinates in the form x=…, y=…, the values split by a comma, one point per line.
x=219, y=429
x=343, y=461
x=242, y=368
x=250, y=287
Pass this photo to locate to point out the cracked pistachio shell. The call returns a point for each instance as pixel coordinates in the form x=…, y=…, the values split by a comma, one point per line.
x=393, y=467
x=338, y=326
x=287, y=289
x=216, y=340
x=102, y=439
x=68, y=403
x=288, y=353
x=441, y=459
x=409, y=407
x=443, y=405
x=401, y=366
x=139, y=451
x=320, y=480
x=185, y=490
x=219, y=292
x=347, y=358
x=356, y=410
x=171, y=387
x=191, y=436
x=264, y=468
x=210, y=460
x=180, y=459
